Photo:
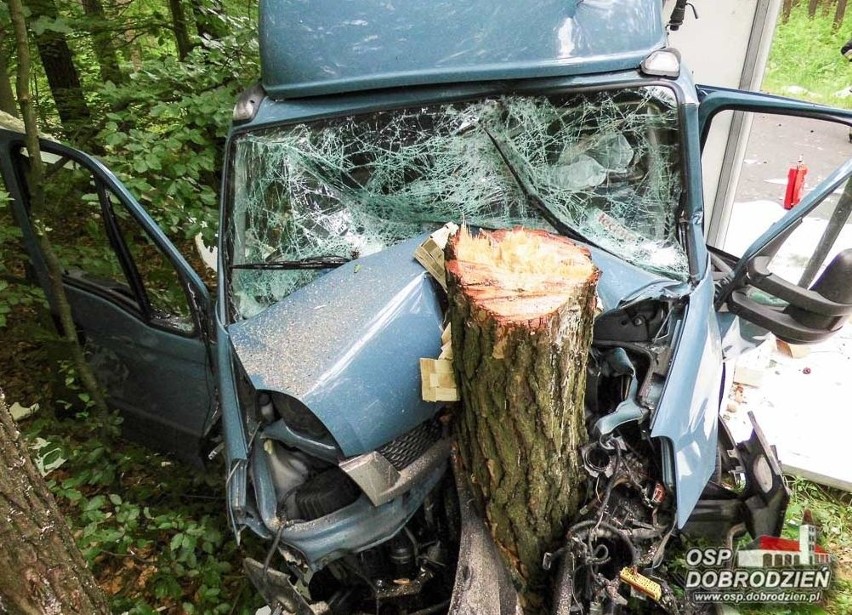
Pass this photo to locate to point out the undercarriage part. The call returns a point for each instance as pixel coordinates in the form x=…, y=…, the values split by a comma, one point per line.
x=403, y=587
x=410, y=572
x=343, y=601
x=355, y=528
x=482, y=582
x=276, y=588
x=761, y=502
x=623, y=536
x=594, y=578
x=401, y=552
x=324, y=493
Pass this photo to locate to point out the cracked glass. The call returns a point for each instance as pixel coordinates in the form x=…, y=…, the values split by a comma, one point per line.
x=603, y=166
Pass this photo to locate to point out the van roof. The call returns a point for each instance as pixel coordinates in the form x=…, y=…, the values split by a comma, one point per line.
x=320, y=47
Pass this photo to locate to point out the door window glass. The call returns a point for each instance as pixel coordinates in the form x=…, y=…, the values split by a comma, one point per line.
x=777, y=153
x=73, y=218
x=162, y=285
x=822, y=234
x=89, y=228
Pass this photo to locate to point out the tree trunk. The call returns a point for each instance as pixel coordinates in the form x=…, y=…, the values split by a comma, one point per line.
x=184, y=44
x=61, y=74
x=521, y=308
x=812, y=8
x=786, y=9
x=7, y=97
x=41, y=568
x=839, y=14
x=102, y=42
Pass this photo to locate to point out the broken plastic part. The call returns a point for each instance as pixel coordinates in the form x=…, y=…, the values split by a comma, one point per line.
x=662, y=63
x=606, y=165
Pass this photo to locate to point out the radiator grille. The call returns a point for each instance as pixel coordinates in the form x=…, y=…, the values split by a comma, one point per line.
x=403, y=451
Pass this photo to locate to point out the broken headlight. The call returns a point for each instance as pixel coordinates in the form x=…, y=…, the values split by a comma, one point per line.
x=273, y=406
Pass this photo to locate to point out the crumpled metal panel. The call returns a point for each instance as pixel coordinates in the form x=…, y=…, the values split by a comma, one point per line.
x=329, y=46
x=348, y=346
x=688, y=414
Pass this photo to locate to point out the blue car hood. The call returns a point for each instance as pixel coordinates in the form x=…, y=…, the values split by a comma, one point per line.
x=348, y=346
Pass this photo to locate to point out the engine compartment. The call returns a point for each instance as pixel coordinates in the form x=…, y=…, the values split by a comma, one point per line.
x=627, y=518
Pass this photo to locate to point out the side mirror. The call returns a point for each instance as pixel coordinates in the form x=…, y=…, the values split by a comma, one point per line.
x=809, y=314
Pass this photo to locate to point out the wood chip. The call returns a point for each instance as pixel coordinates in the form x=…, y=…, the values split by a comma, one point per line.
x=438, y=381
x=430, y=253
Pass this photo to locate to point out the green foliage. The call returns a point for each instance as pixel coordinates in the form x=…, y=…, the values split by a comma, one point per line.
x=15, y=291
x=806, y=53
x=154, y=533
x=50, y=24
x=165, y=134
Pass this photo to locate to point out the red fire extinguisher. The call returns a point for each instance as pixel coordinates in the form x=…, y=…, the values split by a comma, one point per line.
x=795, y=183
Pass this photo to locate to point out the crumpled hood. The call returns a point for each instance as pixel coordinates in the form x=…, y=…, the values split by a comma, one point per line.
x=348, y=346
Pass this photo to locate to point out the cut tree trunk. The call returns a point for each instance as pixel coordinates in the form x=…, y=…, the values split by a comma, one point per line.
x=41, y=568
x=521, y=307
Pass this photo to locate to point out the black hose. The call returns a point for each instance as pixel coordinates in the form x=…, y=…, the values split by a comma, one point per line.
x=678, y=15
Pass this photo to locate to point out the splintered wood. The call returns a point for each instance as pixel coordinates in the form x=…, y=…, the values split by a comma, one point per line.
x=521, y=305
x=430, y=253
x=437, y=379
x=522, y=274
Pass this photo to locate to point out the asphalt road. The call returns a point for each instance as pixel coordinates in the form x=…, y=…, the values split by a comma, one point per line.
x=775, y=144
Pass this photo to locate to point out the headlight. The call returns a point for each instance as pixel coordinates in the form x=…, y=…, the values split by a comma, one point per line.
x=273, y=405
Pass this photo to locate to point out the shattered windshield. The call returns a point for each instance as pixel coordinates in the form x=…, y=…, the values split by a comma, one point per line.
x=603, y=166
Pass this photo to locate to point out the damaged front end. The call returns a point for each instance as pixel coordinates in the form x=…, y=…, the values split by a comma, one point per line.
x=619, y=554
x=344, y=468
x=347, y=460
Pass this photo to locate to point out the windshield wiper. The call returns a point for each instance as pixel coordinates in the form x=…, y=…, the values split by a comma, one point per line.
x=529, y=192
x=316, y=262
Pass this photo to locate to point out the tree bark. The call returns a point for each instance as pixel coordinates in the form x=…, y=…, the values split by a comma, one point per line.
x=786, y=9
x=812, y=8
x=184, y=44
x=61, y=73
x=41, y=568
x=839, y=14
x=7, y=97
x=521, y=308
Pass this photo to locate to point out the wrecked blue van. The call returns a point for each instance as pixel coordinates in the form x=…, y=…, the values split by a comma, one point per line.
x=375, y=124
